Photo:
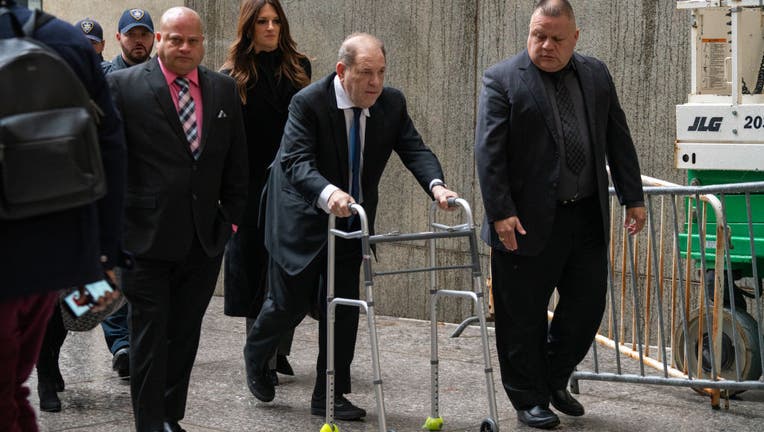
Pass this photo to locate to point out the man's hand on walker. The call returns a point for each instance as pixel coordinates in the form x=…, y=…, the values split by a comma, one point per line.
x=339, y=203
x=442, y=195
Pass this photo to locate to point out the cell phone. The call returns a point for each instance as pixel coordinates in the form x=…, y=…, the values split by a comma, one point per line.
x=80, y=304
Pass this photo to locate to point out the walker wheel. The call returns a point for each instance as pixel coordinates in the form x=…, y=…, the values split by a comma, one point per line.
x=330, y=428
x=489, y=425
x=433, y=424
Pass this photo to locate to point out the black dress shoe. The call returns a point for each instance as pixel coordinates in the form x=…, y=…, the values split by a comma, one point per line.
x=121, y=362
x=49, y=401
x=343, y=408
x=274, y=377
x=261, y=386
x=565, y=403
x=172, y=426
x=538, y=417
x=282, y=365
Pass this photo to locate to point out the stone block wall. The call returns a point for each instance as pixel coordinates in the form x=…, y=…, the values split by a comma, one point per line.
x=437, y=51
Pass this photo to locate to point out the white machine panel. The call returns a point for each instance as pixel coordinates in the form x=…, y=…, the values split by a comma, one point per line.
x=720, y=123
x=697, y=4
x=720, y=156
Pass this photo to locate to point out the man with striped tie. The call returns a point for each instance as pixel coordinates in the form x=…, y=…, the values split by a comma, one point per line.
x=187, y=183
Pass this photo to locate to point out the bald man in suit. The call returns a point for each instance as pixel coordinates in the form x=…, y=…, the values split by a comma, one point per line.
x=187, y=183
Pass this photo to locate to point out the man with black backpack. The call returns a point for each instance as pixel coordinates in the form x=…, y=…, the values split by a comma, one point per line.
x=50, y=241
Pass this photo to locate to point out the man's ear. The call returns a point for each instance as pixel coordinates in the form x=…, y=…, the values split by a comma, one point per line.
x=341, y=68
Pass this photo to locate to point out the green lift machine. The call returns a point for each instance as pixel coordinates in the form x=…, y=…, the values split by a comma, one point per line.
x=720, y=140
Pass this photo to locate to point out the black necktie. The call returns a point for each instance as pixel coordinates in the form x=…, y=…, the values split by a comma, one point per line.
x=355, y=155
x=574, y=148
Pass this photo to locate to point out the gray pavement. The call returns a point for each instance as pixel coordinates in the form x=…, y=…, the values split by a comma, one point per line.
x=96, y=400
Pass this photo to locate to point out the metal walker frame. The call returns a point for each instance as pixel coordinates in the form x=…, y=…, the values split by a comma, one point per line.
x=439, y=231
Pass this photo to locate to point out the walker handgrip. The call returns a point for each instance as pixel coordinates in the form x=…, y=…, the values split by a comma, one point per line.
x=451, y=202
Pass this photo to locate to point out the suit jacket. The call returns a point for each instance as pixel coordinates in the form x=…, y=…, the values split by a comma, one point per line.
x=314, y=154
x=517, y=147
x=71, y=247
x=170, y=195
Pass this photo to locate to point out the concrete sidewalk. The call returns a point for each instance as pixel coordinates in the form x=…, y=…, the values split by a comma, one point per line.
x=96, y=400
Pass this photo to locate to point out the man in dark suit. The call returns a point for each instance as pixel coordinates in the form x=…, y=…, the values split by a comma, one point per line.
x=43, y=254
x=548, y=122
x=187, y=180
x=339, y=136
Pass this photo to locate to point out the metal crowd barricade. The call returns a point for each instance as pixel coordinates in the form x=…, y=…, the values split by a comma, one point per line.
x=714, y=345
x=438, y=231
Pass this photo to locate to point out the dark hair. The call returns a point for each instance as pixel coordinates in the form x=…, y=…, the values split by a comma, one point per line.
x=555, y=8
x=349, y=47
x=241, y=55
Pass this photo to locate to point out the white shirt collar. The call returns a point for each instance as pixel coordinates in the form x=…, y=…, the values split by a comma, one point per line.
x=343, y=101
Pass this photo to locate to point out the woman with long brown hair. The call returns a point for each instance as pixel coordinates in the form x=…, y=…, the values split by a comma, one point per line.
x=268, y=70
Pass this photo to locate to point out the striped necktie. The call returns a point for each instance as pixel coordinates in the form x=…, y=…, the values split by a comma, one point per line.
x=187, y=115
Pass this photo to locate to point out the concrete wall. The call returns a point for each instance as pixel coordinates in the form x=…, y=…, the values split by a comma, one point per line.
x=107, y=13
x=437, y=51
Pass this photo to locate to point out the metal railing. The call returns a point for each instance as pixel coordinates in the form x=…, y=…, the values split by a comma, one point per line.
x=660, y=311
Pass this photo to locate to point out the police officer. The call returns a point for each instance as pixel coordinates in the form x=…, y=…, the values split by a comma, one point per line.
x=135, y=37
x=94, y=32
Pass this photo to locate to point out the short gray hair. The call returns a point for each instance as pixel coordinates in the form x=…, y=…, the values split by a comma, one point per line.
x=349, y=47
x=555, y=8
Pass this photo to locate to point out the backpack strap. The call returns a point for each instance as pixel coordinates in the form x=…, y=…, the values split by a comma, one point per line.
x=35, y=21
x=15, y=25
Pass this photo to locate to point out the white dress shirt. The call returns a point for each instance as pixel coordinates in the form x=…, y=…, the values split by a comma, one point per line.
x=344, y=103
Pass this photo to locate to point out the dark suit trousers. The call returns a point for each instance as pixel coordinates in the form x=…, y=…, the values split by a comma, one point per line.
x=290, y=298
x=167, y=303
x=537, y=357
x=47, y=361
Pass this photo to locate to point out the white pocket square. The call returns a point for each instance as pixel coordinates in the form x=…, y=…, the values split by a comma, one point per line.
x=222, y=114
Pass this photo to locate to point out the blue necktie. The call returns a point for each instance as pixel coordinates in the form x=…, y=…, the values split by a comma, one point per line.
x=355, y=155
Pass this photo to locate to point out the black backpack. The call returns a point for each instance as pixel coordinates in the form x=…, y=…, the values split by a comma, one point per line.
x=50, y=157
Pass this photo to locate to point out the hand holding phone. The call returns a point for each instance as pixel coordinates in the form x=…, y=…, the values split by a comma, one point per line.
x=95, y=296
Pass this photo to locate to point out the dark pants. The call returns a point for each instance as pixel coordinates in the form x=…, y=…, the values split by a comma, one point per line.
x=22, y=326
x=283, y=349
x=245, y=266
x=290, y=298
x=167, y=303
x=47, y=362
x=115, y=330
x=537, y=357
